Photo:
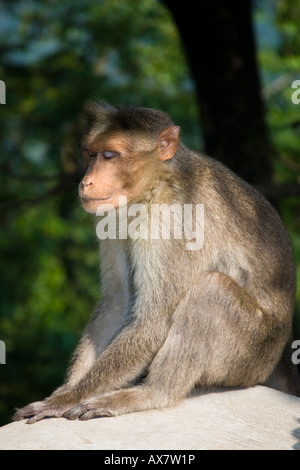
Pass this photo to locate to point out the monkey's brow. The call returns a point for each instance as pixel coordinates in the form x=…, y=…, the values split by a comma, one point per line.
x=85, y=148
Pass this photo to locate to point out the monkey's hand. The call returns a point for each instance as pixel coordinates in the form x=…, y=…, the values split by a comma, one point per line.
x=54, y=406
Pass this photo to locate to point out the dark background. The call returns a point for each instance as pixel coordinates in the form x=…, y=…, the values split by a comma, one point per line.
x=222, y=70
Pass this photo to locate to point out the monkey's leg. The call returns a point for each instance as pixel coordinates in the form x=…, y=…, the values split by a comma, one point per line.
x=219, y=336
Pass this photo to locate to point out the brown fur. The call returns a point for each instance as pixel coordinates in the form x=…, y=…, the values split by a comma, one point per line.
x=217, y=316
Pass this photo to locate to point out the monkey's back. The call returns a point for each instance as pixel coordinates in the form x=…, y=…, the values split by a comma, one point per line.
x=244, y=237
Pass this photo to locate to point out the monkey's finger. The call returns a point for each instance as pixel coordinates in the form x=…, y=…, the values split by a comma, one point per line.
x=46, y=413
x=26, y=412
x=35, y=418
x=19, y=415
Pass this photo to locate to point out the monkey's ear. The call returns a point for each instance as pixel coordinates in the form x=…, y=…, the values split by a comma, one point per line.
x=168, y=142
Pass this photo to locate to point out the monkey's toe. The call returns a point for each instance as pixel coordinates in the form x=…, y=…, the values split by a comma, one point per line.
x=85, y=412
x=73, y=413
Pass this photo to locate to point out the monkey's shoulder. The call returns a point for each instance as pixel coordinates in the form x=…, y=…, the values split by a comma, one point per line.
x=228, y=198
x=214, y=178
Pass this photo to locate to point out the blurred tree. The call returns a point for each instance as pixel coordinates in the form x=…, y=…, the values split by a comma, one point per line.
x=219, y=43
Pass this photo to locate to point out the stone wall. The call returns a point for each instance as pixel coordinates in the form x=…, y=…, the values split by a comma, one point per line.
x=254, y=418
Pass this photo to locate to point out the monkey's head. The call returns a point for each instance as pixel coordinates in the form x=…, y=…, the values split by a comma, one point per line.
x=124, y=150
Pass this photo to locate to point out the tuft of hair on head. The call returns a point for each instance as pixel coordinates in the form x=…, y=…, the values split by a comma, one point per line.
x=99, y=112
x=143, y=119
x=105, y=116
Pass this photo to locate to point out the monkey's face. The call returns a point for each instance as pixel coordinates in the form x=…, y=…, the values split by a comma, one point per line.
x=123, y=163
x=115, y=167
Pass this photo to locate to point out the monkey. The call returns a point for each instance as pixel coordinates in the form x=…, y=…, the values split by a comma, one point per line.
x=170, y=318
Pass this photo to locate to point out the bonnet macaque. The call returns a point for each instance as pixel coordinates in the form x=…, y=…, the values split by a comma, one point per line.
x=174, y=315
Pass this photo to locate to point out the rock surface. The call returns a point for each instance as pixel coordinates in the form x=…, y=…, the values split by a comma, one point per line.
x=254, y=418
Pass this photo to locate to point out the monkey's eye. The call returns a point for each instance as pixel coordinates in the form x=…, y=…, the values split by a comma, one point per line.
x=110, y=154
x=92, y=154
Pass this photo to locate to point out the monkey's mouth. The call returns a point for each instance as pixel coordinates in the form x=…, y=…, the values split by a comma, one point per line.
x=91, y=204
x=87, y=199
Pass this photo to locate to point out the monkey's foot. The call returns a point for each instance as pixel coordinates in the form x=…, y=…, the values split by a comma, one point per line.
x=89, y=409
x=37, y=411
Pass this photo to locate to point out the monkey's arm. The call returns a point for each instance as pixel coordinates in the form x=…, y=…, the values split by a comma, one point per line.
x=109, y=314
x=123, y=360
x=125, y=357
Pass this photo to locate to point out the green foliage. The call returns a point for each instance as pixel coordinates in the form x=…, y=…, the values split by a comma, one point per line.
x=55, y=55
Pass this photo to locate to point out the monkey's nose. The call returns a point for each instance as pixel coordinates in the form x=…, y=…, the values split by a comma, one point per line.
x=86, y=182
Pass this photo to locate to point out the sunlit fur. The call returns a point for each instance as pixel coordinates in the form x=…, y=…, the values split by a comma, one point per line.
x=170, y=318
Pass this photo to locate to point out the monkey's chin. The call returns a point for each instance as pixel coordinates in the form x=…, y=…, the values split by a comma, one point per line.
x=91, y=205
